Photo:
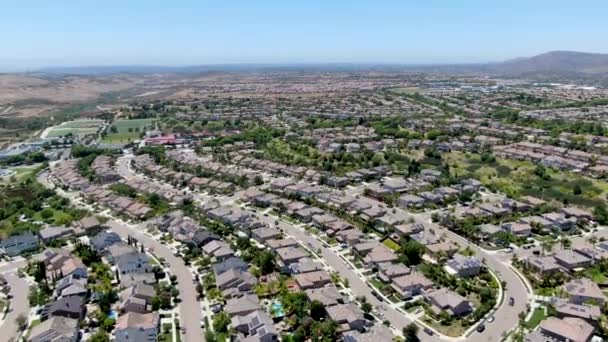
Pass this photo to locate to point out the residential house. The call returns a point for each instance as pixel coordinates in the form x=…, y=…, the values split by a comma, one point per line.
x=69, y=307
x=583, y=290
x=104, y=240
x=326, y=295
x=242, y=306
x=389, y=271
x=312, y=280
x=348, y=316
x=566, y=329
x=447, y=300
x=542, y=264
x=255, y=326
x=57, y=328
x=411, y=285
x=464, y=266
x=571, y=260
x=139, y=327
x=262, y=235
x=289, y=255
x=133, y=263
x=17, y=244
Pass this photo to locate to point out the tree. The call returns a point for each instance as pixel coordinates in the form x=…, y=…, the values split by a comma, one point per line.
x=412, y=252
x=258, y=180
x=565, y=242
x=411, y=333
x=547, y=246
x=317, y=310
x=366, y=307
x=21, y=322
x=601, y=213
x=221, y=322
x=265, y=261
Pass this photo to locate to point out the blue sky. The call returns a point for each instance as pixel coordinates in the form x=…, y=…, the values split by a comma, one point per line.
x=108, y=32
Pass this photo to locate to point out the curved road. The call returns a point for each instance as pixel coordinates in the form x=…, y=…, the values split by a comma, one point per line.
x=189, y=307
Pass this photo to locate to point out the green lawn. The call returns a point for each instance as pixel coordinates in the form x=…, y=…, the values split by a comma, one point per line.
x=123, y=126
x=63, y=131
x=537, y=316
x=544, y=291
x=455, y=329
x=391, y=244
x=114, y=138
x=20, y=173
x=595, y=274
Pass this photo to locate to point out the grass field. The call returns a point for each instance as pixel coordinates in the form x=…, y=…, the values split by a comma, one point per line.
x=61, y=132
x=114, y=138
x=76, y=128
x=20, y=173
x=537, y=316
x=124, y=126
x=518, y=178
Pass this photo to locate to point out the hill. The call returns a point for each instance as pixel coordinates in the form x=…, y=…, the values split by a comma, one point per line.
x=555, y=62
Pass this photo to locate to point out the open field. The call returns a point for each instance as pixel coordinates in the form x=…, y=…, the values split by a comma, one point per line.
x=133, y=125
x=76, y=128
x=114, y=138
x=518, y=178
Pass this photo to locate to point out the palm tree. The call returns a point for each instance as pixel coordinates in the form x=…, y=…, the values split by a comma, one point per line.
x=565, y=243
x=547, y=246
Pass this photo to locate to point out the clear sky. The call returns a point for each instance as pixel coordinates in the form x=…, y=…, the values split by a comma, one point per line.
x=109, y=32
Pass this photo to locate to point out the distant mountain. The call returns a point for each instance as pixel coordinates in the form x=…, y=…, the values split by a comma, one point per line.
x=555, y=62
x=548, y=66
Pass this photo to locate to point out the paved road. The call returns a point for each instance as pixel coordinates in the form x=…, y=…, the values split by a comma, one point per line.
x=190, y=310
x=19, y=303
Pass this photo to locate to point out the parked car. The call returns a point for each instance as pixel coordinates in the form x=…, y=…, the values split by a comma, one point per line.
x=481, y=328
x=429, y=331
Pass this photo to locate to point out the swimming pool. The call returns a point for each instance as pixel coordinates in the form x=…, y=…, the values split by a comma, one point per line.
x=276, y=309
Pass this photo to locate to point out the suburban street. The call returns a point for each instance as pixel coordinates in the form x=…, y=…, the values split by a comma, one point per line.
x=19, y=302
x=189, y=308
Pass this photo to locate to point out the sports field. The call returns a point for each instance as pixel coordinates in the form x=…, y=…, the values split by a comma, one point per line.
x=133, y=125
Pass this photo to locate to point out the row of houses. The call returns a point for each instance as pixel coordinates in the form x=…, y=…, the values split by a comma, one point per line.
x=576, y=316
x=137, y=321
x=28, y=241
x=142, y=186
x=67, y=176
x=73, y=297
x=564, y=219
x=555, y=157
x=147, y=165
x=216, y=169
x=243, y=159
